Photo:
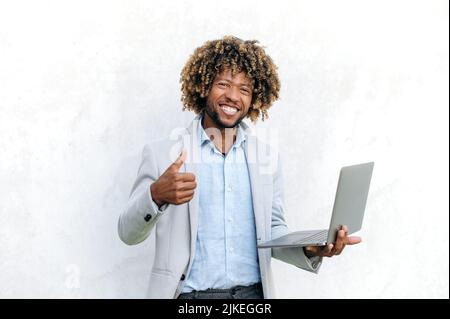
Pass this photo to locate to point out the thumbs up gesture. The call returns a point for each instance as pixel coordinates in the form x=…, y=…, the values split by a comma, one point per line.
x=172, y=186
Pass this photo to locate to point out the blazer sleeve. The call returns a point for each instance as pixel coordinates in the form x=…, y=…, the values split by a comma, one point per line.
x=141, y=213
x=292, y=255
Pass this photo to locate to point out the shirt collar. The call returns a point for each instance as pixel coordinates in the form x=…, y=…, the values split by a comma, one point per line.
x=204, y=138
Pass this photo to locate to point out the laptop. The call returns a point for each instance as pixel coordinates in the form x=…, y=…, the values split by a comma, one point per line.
x=348, y=209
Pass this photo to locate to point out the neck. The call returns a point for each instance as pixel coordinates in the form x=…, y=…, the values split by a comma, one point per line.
x=222, y=137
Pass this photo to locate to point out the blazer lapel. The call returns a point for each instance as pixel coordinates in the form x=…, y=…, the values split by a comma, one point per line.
x=261, y=211
x=256, y=185
x=191, y=144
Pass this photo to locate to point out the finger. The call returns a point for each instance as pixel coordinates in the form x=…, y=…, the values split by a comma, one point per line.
x=345, y=229
x=338, y=250
x=353, y=240
x=340, y=241
x=186, y=186
x=183, y=194
x=180, y=160
x=186, y=177
x=327, y=250
x=186, y=199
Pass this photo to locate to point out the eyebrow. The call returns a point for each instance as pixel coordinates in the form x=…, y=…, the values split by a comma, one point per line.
x=240, y=84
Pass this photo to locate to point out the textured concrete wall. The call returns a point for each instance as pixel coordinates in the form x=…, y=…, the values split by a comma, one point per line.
x=84, y=85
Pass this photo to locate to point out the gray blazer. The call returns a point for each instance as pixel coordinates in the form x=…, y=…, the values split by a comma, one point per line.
x=175, y=226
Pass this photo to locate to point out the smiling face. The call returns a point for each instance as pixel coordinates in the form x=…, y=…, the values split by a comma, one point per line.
x=229, y=99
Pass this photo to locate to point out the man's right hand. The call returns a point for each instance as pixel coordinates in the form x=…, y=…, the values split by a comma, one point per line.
x=172, y=186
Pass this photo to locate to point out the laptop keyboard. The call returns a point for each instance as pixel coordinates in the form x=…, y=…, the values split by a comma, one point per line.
x=318, y=237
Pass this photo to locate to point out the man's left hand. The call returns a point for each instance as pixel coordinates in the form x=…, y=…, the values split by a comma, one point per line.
x=330, y=250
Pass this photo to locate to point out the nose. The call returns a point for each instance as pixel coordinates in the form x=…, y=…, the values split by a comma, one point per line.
x=232, y=93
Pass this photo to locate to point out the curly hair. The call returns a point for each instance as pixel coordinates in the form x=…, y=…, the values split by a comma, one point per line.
x=230, y=52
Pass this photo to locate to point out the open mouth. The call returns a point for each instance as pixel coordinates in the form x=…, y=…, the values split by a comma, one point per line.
x=227, y=109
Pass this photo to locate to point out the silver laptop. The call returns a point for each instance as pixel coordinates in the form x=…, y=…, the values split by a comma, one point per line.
x=348, y=209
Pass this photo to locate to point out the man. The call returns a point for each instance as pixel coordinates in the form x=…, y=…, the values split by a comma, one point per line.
x=211, y=206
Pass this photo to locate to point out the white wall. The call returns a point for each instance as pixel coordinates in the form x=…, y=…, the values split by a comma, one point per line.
x=85, y=84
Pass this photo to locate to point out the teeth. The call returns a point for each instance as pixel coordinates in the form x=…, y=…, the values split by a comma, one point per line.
x=229, y=110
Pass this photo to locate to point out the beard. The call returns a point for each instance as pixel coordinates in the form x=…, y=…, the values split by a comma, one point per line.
x=216, y=119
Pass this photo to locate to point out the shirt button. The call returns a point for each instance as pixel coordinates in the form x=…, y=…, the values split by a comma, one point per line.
x=147, y=217
x=182, y=277
x=229, y=188
x=231, y=249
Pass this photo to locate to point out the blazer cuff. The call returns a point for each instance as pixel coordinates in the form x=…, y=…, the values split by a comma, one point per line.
x=160, y=210
x=296, y=256
x=147, y=208
x=314, y=262
x=311, y=264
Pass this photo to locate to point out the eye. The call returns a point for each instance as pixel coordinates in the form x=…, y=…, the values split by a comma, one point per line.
x=245, y=90
x=222, y=84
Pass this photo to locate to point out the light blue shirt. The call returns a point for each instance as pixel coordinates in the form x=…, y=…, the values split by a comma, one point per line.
x=226, y=253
